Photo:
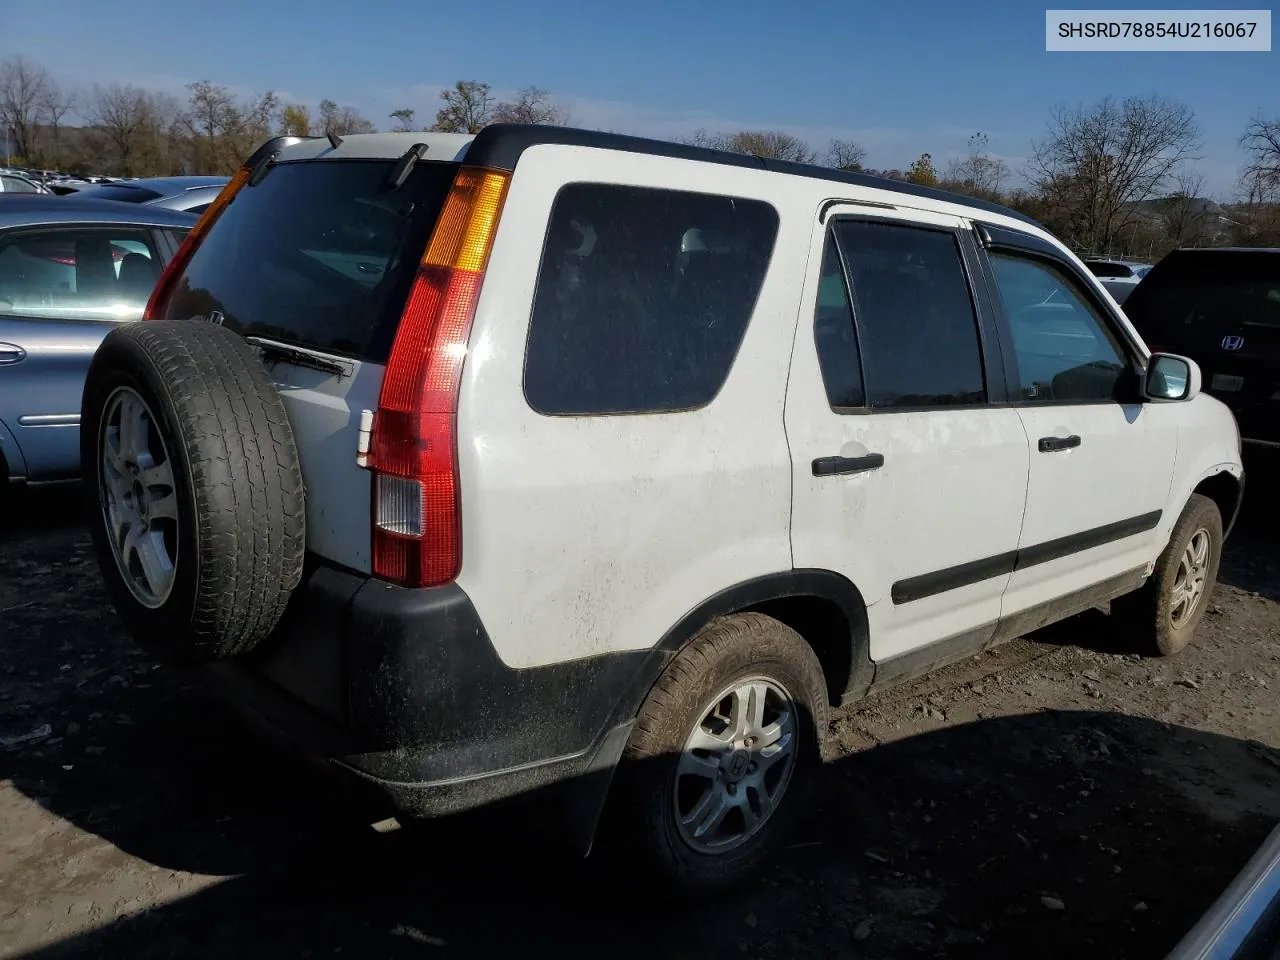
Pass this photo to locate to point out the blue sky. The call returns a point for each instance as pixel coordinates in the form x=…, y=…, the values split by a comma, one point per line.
x=901, y=77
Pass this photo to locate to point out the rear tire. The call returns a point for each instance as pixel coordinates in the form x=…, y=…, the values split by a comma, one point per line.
x=759, y=771
x=193, y=488
x=1162, y=616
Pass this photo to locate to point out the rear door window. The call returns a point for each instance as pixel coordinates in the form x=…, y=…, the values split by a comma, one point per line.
x=77, y=273
x=916, y=323
x=318, y=254
x=643, y=298
x=835, y=335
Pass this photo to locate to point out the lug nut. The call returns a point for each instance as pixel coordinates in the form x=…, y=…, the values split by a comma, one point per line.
x=733, y=788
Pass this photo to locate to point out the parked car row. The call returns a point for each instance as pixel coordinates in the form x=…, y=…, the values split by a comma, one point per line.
x=16, y=181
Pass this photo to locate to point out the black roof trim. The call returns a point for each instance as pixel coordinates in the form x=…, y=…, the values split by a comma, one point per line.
x=500, y=145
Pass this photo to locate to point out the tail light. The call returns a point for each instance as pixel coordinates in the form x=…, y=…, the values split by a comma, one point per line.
x=417, y=530
x=159, y=299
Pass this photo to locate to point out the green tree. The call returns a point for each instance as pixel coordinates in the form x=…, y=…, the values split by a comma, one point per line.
x=403, y=118
x=295, y=121
x=922, y=172
x=468, y=108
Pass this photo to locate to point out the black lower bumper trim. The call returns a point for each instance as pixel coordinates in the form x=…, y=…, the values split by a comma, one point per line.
x=404, y=689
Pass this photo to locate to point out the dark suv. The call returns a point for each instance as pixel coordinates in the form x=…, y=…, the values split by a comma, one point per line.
x=1221, y=307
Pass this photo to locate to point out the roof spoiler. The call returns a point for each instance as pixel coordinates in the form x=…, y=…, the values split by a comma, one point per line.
x=261, y=158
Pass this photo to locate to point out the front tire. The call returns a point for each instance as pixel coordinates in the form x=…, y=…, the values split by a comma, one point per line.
x=1163, y=615
x=723, y=756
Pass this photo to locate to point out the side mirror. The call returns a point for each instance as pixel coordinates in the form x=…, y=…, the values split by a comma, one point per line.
x=1171, y=378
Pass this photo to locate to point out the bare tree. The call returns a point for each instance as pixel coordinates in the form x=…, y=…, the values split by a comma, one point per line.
x=225, y=130
x=1187, y=216
x=1262, y=141
x=342, y=121
x=403, y=118
x=23, y=88
x=769, y=144
x=468, y=108
x=54, y=105
x=1097, y=162
x=846, y=155
x=531, y=105
x=130, y=123
x=979, y=174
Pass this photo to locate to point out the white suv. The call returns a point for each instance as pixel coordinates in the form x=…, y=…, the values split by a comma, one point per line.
x=487, y=466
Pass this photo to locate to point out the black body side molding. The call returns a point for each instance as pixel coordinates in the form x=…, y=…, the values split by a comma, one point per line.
x=939, y=581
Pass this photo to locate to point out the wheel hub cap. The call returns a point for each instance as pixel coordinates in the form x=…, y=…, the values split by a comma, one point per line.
x=735, y=766
x=139, y=503
x=1190, y=580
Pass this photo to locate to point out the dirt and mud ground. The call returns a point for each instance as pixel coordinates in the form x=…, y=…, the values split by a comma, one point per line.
x=1058, y=797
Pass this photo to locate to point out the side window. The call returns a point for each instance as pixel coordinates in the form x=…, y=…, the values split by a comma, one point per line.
x=1064, y=351
x=835, y=336
x=643, y=298
x=17, y=185
x=916, y=324
x=177, y=235
x=89, y=273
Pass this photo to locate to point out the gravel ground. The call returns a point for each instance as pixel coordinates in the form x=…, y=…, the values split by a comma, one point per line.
x=1057, y=797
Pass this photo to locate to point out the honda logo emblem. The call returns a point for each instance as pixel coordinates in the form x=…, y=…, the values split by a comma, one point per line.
x=1232, y=343
x=215, y=317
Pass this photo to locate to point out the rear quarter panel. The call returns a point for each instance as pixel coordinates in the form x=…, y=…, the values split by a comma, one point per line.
x=585, y=535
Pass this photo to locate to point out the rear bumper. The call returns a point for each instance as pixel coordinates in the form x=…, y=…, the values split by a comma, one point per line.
x=403, y=690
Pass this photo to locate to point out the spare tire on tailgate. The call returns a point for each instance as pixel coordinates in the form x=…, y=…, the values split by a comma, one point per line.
x=194, y=488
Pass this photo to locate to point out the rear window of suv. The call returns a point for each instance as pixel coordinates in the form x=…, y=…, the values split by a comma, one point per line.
x=1193, y=296
x=318, y=254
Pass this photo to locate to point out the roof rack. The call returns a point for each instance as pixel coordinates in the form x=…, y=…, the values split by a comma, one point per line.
x=501, y=144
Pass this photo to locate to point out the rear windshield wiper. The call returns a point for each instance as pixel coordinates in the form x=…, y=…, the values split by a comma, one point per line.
x=400, y=172
x=273, y=352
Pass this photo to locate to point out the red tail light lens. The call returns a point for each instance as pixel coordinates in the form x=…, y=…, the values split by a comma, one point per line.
x=159, y=299
x=417, y=530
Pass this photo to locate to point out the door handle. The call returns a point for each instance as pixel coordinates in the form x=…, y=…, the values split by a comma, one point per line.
x=829, y=466
x=11, y=353
x=1054, y=444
